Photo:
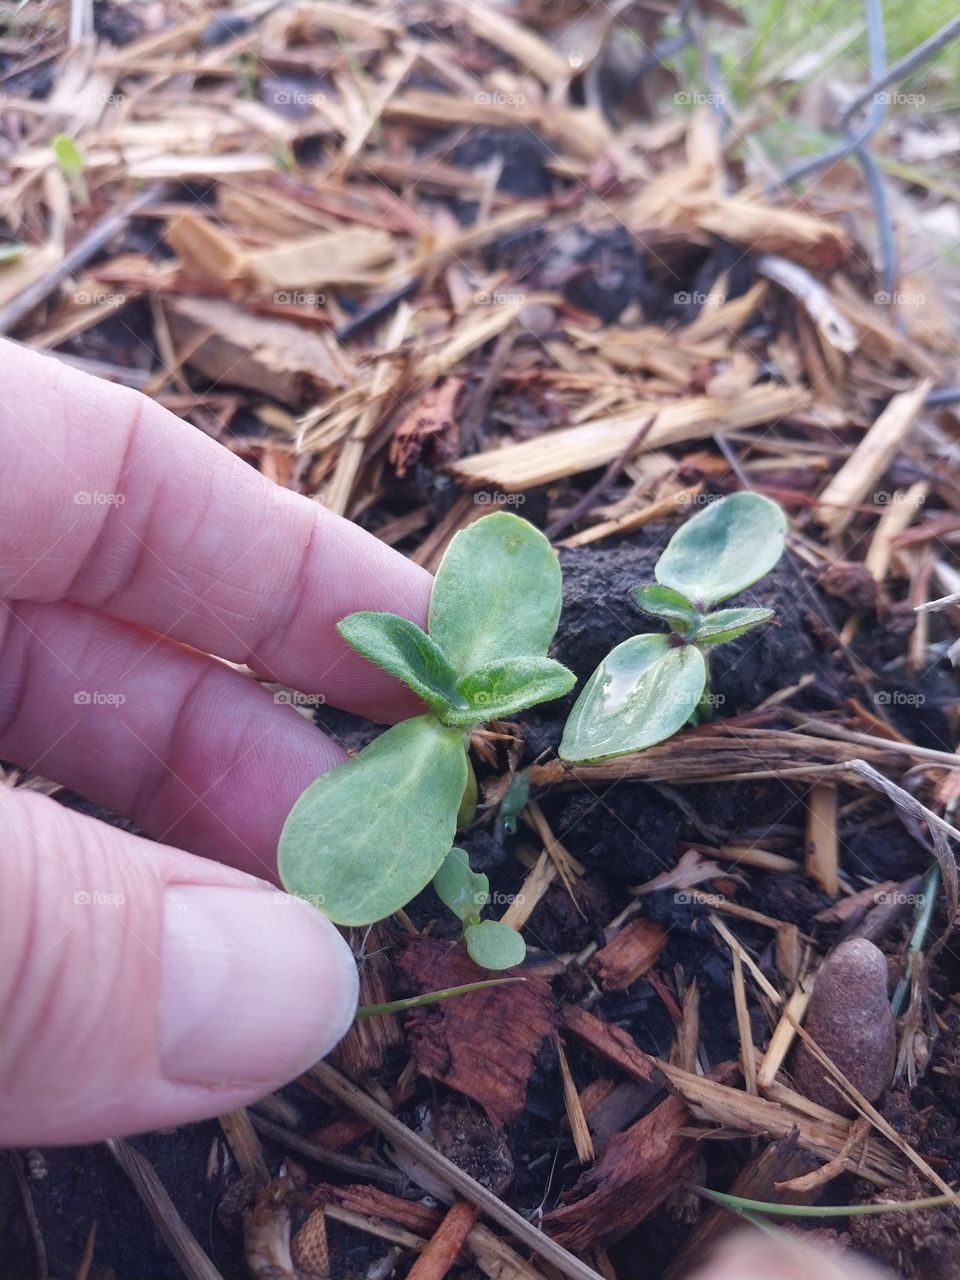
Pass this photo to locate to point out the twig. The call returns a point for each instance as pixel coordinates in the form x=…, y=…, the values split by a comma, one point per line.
x=322, y=1155
x=598, y=490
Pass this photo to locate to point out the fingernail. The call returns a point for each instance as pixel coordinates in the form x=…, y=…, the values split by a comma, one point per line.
x=255, y=986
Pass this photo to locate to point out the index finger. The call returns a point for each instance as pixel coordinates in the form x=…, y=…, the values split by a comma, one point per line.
x=112, y=502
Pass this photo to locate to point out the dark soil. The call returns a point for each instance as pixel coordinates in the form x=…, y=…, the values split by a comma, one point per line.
x=624, y=835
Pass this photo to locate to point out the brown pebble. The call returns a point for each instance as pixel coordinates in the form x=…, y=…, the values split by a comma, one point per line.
x=849, y=1017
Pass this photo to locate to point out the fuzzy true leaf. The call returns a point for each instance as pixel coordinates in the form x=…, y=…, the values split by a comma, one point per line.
x=504, y=688
x=365, y=838
x=399, y=646
x=642, y=692
x=664, y=602
x=724, y=549
x=461, y=889
x=497, y=593
x=493, y=945
x=727, y=624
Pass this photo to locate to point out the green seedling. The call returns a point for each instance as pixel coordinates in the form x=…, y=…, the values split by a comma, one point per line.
x=430, y=997
x=749, y=1207
x=368, y=836
x=649, y=686
x=72, y=163
x=489, y=943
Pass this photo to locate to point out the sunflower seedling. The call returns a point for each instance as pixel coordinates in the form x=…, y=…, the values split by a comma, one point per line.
x=649, y=686
x=368, y=836
x=489, y=943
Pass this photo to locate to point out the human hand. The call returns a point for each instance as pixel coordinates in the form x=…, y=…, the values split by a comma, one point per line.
x=142, y=986
x=784, y=1256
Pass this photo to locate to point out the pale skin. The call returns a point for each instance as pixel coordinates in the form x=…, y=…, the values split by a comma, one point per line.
x=145, y=983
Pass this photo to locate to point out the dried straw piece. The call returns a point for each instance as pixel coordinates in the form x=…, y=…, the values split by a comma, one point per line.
x=245, y=1145
x=748, y=1057
x=736, y=947
x=575, y=1114
x=172, y=1228
x=783, y=1033
x=822, y=847
x=569, y=450
x=897, y=516
x=859, y=475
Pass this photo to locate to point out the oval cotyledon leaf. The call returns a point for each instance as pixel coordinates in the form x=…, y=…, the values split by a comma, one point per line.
x=497, y=594
x=643, y=691
x=724, y=549
x=365, y=838
x=493, y=945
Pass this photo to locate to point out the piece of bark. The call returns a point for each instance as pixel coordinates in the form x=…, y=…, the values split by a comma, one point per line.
x=483, y=1044
x=275, y=358
x=849, y=1018
x=372, y=1202
x=612, y=1043
x=629, y=954
x=441, y=1252
x=638, y=1169
x=363, y=1047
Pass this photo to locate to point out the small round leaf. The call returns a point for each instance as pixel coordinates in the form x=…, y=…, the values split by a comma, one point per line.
x=497, y=593
x=724, y=549
x=642, y=692
x=493, y=945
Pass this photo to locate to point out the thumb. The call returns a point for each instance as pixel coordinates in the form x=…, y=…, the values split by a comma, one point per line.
x=772, y=1254
x=141, y=987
